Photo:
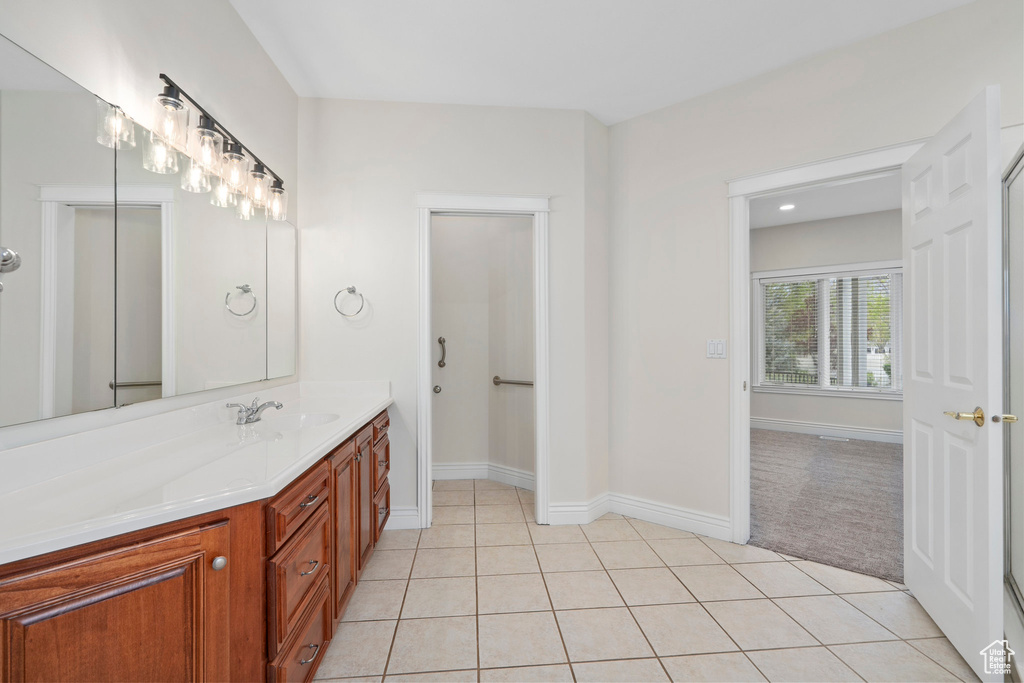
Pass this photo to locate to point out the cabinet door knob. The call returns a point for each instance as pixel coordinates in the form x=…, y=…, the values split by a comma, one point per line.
x=219, y=563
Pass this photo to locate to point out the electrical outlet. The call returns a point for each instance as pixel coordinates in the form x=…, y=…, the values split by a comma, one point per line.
x=716, y=348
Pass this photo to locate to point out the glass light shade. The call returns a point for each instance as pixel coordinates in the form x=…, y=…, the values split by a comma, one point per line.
x=158, y=155
x=205, y=145
x=259, y=185
x=277, y=202
x=245, y=208
x=235, y=167
x=195, y=178
x=170, y=117
x=113, y=128
x=222, y=195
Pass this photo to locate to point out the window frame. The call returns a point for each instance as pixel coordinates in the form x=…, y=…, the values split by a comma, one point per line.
x=822, y=274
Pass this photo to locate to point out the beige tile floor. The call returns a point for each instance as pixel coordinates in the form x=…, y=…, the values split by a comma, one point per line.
x=487, y=595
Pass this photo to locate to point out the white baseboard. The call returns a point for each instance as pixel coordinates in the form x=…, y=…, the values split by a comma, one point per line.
x=578, y=513
x=459, y=470
x=820, y=429
x=484, y=470
x=715, y=526
x=403, y=518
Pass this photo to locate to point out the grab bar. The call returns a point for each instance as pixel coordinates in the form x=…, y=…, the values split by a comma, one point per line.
x=134, y=384
x=498, y=381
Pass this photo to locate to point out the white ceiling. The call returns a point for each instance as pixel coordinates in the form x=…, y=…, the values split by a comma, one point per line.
x=613, y=58
x=843, y=198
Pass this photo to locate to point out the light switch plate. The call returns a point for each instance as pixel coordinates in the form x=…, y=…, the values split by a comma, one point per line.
x=716, y=348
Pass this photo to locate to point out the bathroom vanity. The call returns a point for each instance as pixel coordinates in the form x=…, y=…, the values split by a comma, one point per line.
x=248, y=591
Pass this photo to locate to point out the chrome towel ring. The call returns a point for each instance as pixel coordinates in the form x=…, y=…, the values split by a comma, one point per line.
x=245, y=289
x=349, y=290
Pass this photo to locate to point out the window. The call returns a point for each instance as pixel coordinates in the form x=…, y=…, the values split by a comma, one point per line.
x=830, y=331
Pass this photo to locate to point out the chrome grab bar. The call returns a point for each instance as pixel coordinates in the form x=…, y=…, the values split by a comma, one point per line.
x=498, y=381
x=133, y=384
x=444, y=352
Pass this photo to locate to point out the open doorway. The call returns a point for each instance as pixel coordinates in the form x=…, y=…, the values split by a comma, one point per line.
x=826, y=456
x=483, y=408
x=483, y=276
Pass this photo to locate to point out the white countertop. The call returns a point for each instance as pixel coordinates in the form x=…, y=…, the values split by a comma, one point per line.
x=84, y=487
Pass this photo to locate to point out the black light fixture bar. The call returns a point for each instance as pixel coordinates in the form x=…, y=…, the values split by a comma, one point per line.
x=217, y=125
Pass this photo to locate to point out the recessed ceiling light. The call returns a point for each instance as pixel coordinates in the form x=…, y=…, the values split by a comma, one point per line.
x=787, y=207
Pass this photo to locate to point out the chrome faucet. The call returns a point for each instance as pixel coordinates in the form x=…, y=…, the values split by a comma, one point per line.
x=249, y=414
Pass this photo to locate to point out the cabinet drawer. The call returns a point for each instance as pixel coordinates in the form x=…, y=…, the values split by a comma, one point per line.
x=293, y=574
x=300, y=659
x=288, y=510
x=381, y=461
x=381, y=510
x=380, y=426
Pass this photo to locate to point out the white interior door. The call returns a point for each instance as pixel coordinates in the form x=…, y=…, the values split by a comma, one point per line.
x=953, y=503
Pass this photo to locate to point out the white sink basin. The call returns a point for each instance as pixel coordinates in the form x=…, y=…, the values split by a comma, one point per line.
x=292, y=421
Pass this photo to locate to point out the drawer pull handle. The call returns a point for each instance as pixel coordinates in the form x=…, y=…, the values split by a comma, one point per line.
x=310, y=499
x=315, y=647
x=382, y=512
x=382, y=463
x=315, y=563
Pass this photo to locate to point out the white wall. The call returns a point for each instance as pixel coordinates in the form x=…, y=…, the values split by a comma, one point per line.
x=669, y=244
x=361, y=165
x=836, y=241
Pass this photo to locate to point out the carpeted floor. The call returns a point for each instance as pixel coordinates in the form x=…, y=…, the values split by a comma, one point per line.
x=835, y=502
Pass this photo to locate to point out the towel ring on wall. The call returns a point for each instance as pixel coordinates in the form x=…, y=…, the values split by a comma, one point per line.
x=245, y=289
x=350, y=290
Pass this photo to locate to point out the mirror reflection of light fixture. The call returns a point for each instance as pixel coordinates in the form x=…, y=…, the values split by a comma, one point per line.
x=245, y=208
x=113, y=128
x=170, y=117
x=205, y=144
x=158, y=155
x=259, y=185
x=277, y=203
x=222, y=195
x=235, y=167
x=194, y=178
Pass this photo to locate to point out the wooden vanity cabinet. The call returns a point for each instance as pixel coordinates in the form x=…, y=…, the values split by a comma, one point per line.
x=246, y=593
x=147, y=606
x=344, y=518
x=364, y=476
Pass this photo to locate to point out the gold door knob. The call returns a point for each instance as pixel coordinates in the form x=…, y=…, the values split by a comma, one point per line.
x=1004, y=418
x=978, y=416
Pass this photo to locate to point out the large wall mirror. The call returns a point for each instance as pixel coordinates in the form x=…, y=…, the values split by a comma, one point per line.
x=123, y=288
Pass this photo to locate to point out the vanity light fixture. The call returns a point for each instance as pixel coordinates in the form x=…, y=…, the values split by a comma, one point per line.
x=113, y=128
x=170, y=117
x=277, y=204
x=787, y=207
x=235, y=167
x=214, y=158
x=205, y=144
x=259, y=185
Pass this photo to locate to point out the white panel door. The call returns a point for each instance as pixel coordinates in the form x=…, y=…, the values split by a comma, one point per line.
x=953, y=502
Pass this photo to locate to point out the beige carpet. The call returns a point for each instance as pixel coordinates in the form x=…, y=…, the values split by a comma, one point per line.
x=835, y=502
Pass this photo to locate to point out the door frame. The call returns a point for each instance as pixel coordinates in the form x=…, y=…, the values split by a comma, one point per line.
x=740, y=192
x=536, y=206
x=50, y=198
